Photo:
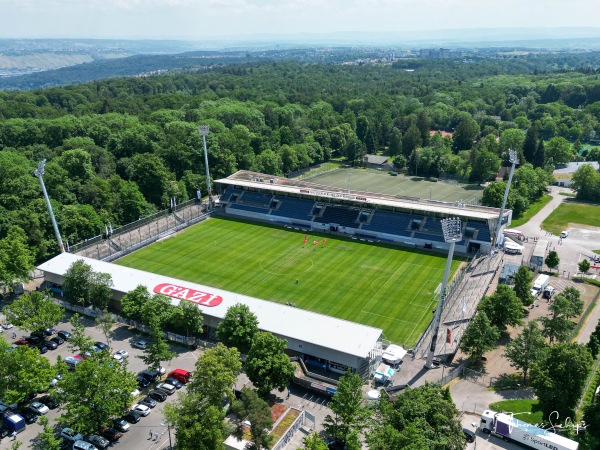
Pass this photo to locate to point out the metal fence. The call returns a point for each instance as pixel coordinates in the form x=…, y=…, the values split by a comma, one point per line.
x=291, y=431
x=478, y=377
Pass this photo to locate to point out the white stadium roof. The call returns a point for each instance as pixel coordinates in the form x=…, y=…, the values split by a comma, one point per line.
x=336, y=334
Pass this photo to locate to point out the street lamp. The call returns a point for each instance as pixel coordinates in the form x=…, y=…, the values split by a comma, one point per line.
x=474, y=425
x=514, y=159
x=39, y=172
x=203, y=131
x=452, y=229
x=169, y=430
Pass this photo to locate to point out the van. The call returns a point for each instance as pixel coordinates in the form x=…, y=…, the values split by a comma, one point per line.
x=548, y=292
x=180, y=375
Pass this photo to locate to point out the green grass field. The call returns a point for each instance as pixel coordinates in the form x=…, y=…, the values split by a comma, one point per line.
x=524, y=409
x=381, y=182
x=384, y=287
x=571, y=213
x=531, y=211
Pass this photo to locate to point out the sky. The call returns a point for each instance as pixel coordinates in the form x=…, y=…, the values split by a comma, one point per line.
x=205, y=19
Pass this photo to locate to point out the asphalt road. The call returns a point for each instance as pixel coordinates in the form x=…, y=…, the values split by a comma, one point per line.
x=137, y=438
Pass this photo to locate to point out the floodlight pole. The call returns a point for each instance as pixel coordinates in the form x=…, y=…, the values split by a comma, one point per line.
x=452, y=229
x=514, y=159
x=39, y=172
x=203, y=131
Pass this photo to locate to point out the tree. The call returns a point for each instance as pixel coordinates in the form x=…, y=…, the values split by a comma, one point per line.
x=238, y=327
x=395, y=147
x=411, y=140
x=565, y=306
x=350, y=415
x=314, y=442
x=594, y=346
x=522, y=288
x=157, y=309
x=465, y=134
x=46, y=440
x=420, y=418
x=552, y=260
x=255, y=410
x=34, y=312
x=79, y=341
x=591, y=416
x=22, y=371
x=189, y=317
x=132, y=303
x=503, y=308
x=105, y=323
x=76, y=284
x=95, y=391
x=559, y=150
x=215, y=375
x=267, y=365
x=527, y=349
x=558, y=380
x=531, y=143
x=158, y=350
x=16, y=258
x=100, y=285
x=480, y=336
x=584, y=266
x=539, y=157
x=586, y=183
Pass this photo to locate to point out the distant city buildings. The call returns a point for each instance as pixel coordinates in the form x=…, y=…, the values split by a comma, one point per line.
x=440, y=53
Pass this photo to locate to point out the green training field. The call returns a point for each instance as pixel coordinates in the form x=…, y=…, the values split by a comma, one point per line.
x=572, y=214
x=375, y=285
x=381, y=182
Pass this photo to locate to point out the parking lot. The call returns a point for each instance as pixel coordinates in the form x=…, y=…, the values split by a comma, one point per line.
x=138, y=436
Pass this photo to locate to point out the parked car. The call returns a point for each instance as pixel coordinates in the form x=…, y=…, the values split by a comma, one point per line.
x=21, y=342
x=49, y=331
x=142, y=345
x=150, y=375
x=7, y=325
x=33, y=340
x=65, y=335
x=172, y=381
x=147, y=401
x=101, y=345
x=159, y=396
x=49, y=402
x=38, y=408
x=69, y=434
x=469, y=435
x=180, y=374
x=143, y=382
x=120, y=424
x=58, y=340
x=564, y=234
x=168, y=388
x=98, y=441
x=112, y=434
x=143, y=410
x=160, y=370
x=120, y=355
x=30, y=417
x=42, y=348
x=82, y=445
x=132, y=417
x=50, y=345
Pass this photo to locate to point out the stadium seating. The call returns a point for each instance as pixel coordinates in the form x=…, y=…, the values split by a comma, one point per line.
x=256, y=199
x=483, y=230
x=429, y=237
x=390, y=222
x=433, y=225
x=248, y=208
x=294, y=208
x=229, y=192
x=339, y=215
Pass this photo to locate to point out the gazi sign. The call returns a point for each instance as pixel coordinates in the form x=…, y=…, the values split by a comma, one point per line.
x=191, y=295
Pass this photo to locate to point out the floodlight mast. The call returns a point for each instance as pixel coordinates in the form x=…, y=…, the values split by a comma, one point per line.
x=452, y=229
x=39, y=172
x=203, y=131
x=513, y=157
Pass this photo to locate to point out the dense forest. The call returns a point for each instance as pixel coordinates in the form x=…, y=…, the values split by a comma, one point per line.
x=119, y=149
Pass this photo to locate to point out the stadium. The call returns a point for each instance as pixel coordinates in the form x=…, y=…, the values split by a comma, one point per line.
x=337, y=273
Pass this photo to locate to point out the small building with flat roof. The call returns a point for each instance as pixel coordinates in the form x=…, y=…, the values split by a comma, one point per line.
x=336, y=343
x=507, y=276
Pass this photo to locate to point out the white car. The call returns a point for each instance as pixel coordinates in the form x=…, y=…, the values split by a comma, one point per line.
x=70, y=434
x=166, y=387
x=564, y=234
x=7, y=326
x=142, y=345
x=38, y=408
x=120, y=355
x=141, y=409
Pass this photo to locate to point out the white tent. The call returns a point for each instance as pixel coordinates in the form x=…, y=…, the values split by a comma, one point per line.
x=393, y=354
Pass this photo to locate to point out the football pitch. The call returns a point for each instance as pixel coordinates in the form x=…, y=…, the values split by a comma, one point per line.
x=385, y=287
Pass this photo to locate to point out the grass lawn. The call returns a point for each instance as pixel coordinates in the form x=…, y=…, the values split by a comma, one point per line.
x=568, y=213
x=533, y=209
x=521, y=406
x=376, y=285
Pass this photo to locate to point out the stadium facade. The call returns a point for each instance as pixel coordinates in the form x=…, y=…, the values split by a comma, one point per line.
x=397, y=219
x=320, y=340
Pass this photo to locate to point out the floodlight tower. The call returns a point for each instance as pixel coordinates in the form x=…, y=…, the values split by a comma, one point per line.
x=452, y=229
x=39, y=172
x=514, y=159
x=203, y=130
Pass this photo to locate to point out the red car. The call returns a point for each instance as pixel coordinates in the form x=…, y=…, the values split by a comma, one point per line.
x=112, y=434
x=21, y=342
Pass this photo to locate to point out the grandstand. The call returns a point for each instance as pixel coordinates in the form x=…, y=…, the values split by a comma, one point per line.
x=397, y=219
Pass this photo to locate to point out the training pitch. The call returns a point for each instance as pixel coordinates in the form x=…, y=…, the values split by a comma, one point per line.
x=383, y=183
x=376, y=285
